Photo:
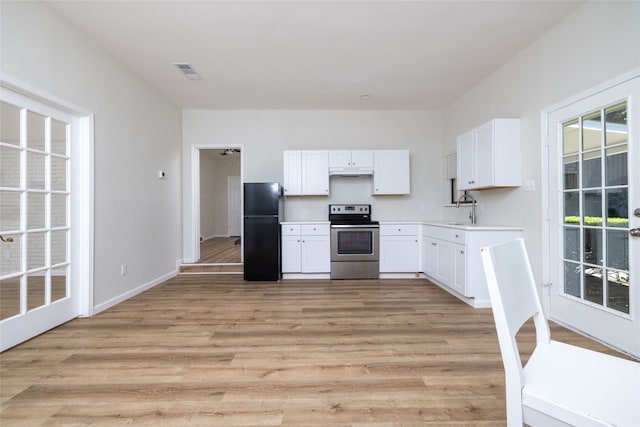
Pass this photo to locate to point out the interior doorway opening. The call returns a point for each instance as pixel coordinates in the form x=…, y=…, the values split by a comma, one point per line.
x=218, y=213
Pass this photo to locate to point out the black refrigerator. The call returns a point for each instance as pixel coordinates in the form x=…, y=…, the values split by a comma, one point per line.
x=263, y=212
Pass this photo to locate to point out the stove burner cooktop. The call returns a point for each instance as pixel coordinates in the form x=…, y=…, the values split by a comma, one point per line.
x=350, y=214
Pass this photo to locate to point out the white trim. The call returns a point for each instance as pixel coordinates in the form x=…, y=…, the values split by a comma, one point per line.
x=9, y=82
x=133, y=292
x=545, y=226
x=195, y=204
x=86, y=223
x=593, y=91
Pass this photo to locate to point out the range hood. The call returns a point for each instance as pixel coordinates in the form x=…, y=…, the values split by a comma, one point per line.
x=350, y=171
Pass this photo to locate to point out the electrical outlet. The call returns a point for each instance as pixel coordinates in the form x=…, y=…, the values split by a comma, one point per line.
x=123, y=270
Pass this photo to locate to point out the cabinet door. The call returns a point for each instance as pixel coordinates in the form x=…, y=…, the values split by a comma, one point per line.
x=484, y=155
x=291, y=262
x=429, y=256
x=292, y=172
x=339, y=158
x=391, y=174
x=460, y=269
x=398, y=254
x=466, y=167
x=362, y=158
x=444, y=262
x=316, y=254
x=315, y=172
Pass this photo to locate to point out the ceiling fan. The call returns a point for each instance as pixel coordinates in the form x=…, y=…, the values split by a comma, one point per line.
x=229, y=151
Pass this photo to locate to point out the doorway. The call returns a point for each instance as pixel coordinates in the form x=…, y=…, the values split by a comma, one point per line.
x=218, y=209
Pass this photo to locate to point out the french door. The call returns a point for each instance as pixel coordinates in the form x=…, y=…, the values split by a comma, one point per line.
x=37, y=287
x=594, y=231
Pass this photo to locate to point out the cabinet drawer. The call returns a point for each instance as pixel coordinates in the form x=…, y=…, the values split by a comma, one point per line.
x=441, y=233
x=399, y=230
x=290, y=229
x=458, y=236
x=315, y=229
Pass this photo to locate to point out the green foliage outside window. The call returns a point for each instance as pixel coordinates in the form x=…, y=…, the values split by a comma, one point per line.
x=597, y=220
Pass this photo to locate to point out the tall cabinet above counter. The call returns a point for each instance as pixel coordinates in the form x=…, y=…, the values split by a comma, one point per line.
x=307, y=172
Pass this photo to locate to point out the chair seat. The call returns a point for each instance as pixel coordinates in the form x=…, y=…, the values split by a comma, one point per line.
x=582, y=387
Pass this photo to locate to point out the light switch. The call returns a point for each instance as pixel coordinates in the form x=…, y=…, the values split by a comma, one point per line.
x=530, y=185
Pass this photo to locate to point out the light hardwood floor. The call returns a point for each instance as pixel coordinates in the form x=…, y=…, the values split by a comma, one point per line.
x=202, y=351
x=220, y=250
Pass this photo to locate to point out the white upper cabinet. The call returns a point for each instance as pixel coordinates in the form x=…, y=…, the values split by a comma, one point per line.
x=489, y=156
x=391, y=172
x=292, y=168
x=344, y=159
x=306, y=172
x=315, y=172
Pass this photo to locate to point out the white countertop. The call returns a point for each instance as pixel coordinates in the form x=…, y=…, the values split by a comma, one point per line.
x=304, y=222
x=461, y=225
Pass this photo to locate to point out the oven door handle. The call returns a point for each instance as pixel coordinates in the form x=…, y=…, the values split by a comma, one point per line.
x=354, y=226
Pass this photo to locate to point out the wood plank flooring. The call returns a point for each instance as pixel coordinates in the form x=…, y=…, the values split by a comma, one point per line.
x=220, y=250
x=201, y=351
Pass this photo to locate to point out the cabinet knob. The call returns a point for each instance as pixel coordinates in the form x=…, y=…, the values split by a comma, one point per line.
x=399, y=229
x=457, y=235
x=433, y=244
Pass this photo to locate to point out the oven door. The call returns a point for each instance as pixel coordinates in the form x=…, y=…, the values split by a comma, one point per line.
x=355, y=242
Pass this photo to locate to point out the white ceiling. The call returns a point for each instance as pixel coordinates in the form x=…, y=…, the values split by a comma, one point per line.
x=314, y=54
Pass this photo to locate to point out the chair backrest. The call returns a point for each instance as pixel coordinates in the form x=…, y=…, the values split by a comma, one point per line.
x=514, y=300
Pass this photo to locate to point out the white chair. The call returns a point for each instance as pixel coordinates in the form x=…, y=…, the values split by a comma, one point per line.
x=561, y=385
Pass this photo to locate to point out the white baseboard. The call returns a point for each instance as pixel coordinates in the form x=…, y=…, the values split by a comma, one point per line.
x=399, y=275
x=473, y=302
x=297, y=276
x=133, y=292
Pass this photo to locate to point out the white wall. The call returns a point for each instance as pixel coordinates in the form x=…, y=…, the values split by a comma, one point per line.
x=266, y=133
x=598, y=42
x=137, y=132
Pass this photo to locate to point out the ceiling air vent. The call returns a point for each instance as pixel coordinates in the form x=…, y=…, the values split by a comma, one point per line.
x=188, y=71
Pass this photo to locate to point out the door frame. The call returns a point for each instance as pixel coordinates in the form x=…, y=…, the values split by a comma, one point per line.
x=230, y=180
x=82, y=200
x=193, y=239
x=549, y=164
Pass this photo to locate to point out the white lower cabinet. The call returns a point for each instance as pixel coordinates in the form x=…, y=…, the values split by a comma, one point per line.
x=460, y=269
x=451, y=258
x=305, y=248
x=437, y=259
x=399, y=248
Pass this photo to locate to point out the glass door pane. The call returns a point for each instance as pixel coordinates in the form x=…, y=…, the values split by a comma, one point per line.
x=34, y=210
x=596, y=208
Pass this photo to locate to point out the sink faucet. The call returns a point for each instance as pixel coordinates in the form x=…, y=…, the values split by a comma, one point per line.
x=468, y=197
